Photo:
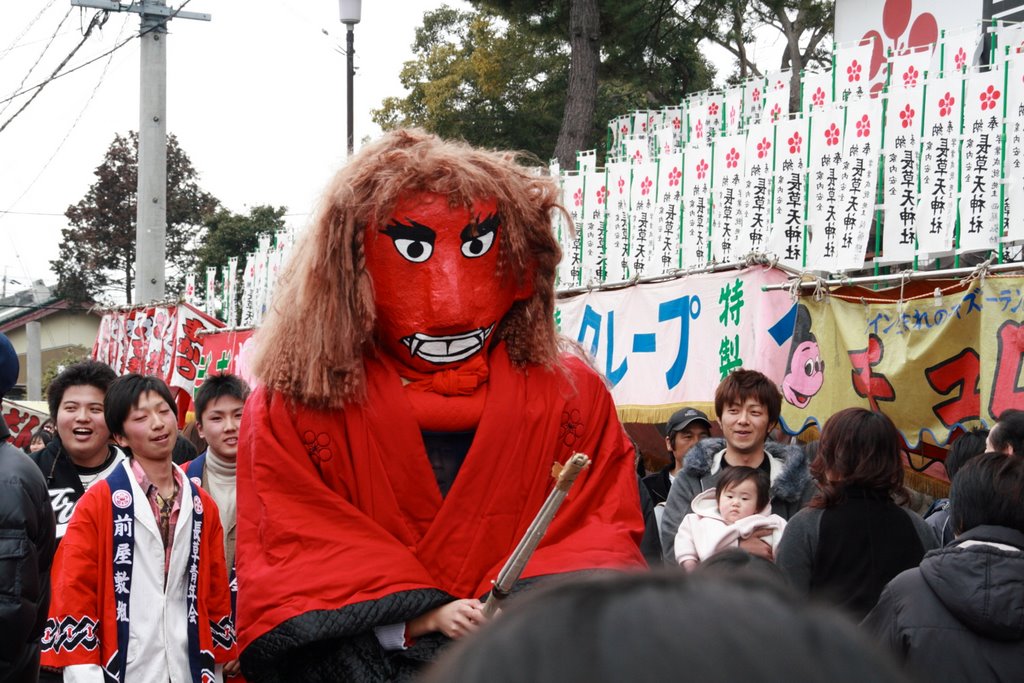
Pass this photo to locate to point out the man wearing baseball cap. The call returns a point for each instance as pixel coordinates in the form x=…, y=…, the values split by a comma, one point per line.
x=685, y=428
x=26, y=546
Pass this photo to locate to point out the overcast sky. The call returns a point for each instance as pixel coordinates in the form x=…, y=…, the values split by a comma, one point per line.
x=256, y=98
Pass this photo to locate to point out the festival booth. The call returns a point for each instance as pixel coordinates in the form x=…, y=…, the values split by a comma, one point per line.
x=733, y=229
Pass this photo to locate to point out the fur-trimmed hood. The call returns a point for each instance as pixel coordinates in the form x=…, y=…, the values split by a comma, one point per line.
x=790, y=483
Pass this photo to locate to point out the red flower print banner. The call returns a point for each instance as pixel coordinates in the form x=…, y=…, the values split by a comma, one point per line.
x=617, y=224
x=1013, y=164
x=788, y=223
x=817, y=92
x=757, y=200
x=901, y=152
x=823, y=210
x=940, y=164
x=595, y=238
x=572, y=244
x=729, y=178
x=696, y=206
x=665, y=254
x=635, y=254
x=858, y=171
x=980, y=159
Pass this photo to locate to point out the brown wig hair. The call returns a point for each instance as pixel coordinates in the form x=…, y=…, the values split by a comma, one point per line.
x=732, y=476
x=858, y=448
x=741, y=385
x=323, y=319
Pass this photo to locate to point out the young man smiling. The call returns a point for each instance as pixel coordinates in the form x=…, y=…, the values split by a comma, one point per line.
x=82, y=454
x=748, y=405
x=140, y=586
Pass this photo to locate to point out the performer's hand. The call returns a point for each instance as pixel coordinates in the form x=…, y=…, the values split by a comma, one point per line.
x=232, y=668
x=755, y=546
x=454, y=619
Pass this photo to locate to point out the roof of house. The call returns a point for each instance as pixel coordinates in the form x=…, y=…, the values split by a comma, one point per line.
x=32, y=304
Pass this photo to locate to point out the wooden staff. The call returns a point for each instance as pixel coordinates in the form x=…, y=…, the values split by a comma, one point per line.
x=565, y=477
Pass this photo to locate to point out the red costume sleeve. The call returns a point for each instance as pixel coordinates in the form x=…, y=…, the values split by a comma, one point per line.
x=78, y=631
x=339, y=512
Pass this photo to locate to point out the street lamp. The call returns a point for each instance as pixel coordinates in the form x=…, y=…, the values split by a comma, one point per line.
x=350, y=11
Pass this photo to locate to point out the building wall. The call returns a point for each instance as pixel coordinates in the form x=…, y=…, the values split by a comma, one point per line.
x=60, y=332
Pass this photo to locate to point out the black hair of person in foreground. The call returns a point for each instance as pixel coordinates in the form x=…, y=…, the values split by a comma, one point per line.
x=661, y=626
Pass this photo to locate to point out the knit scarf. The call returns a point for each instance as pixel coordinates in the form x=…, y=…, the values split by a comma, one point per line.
x=449, y=400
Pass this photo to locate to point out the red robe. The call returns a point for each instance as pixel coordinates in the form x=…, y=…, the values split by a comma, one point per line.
x=341, y=525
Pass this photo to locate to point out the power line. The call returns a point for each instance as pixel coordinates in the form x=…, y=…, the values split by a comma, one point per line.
x=25, y=30
x=98, y=19
x=55, y=76
x=40, y=57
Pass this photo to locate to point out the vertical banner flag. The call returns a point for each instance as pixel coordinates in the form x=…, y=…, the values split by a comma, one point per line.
x=696, y=206
x=595, y=242
x=190, y=288
x=668, y=218
x=788, y=217
x=641, y=211
x=637, y=148
x=733, y=110
x=817, y=91
x=673, y=118
x=753, y=100
x=853, y=69
x=1013, y=172
x=901, y=150
x=980, y=159
x=757, y=198
x=857, y=181
x=727, y=192
x=776, y=99
x=908, y=67
x=210, y=305
x=714, y=106
x=231, y=285
x=827, y=135
x=940, y=163
x=614, y=196
x=697, y=124
x=956, y=51
x=572, y=200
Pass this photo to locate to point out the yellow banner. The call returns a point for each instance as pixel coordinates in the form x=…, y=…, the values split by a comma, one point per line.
x=930, y=357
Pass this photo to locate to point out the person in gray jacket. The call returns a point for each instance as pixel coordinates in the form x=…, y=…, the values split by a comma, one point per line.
x=748, y=405
x=960, y=615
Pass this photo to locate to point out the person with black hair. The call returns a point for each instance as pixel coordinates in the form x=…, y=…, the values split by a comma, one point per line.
x=26, y=547
x=80, y=453
x=967, y=446
x=1007, y=435
x=735, y=509
x=219, y=402
x=960, y=615
x=140, y=585
x=854, y=536
x=748, y=405
x=659, y=626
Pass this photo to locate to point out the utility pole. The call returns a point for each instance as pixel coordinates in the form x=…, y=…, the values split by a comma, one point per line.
x=151, y=196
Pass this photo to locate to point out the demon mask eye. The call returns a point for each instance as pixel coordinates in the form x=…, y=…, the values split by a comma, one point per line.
x=415, y=242
x=478, y=238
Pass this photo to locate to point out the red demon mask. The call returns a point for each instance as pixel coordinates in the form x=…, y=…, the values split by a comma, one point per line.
x=434, y=269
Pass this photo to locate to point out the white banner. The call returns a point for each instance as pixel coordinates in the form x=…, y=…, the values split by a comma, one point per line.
x=827, y=134
x=757, y=200
x=753, y=100
x=957, y=50
x=788, y=230
x=727, y=219
x=817, y=91
x=1013, y=165
x=616, y=201
x=909, y=67
x=673, y=342
x=901, y=150
x=696, y=206
x=733, y=110
x=668, y=217
x=857, y=181
x=940, y=163
x=641, y=209
x=595, y=237
x=980, y=160
x=853, y=71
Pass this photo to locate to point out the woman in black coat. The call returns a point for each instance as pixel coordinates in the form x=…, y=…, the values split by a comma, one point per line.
x=853, y=537
x=960, y=615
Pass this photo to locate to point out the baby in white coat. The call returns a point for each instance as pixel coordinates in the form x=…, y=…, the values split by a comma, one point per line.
x=723, y=516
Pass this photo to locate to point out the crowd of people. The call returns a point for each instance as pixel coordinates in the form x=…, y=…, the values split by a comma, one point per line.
x=346, y=520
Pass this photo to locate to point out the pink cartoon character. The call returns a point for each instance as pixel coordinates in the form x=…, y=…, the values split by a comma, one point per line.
x=805, y=371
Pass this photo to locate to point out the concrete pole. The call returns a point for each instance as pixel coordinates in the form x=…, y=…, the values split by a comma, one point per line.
x=151, y=216
x=351, y=69
x=33, y=361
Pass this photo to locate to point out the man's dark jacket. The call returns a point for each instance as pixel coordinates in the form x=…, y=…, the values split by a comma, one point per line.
x=26, y=551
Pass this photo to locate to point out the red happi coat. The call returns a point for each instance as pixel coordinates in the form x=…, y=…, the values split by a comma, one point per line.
x=82, y=625
x=340, y=508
